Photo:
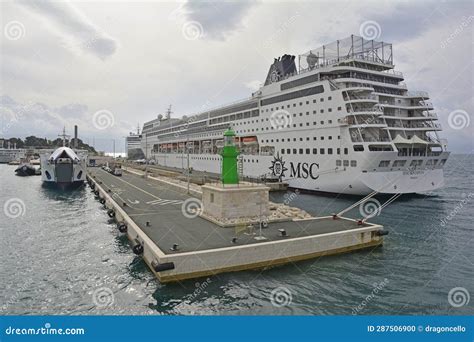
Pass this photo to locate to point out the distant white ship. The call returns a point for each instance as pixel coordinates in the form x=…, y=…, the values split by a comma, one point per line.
x=64, y=167
x=342, y=122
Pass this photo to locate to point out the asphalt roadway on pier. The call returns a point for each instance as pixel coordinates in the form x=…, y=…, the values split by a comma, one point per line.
x=161, y=205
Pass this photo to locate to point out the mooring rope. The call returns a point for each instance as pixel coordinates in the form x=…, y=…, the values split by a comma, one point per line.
x=372, y=194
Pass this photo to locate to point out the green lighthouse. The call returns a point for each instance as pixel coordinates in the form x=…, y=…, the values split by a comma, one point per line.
x=229, y=155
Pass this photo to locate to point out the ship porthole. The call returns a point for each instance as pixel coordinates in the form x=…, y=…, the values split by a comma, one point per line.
x=47, y=174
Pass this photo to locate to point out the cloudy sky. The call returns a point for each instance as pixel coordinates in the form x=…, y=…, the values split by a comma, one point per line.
x=109, y=66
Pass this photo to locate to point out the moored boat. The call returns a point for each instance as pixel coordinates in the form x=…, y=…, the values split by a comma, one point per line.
x=26, y=170
x=64, y=168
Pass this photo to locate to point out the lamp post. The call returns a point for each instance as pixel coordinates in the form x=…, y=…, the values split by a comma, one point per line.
x=188, y=171
x=146, y=155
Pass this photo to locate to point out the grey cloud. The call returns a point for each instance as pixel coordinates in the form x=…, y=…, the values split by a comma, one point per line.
x=77, y=31
x=73, y=110
x=408, y=20
x=22, y=119
x=218, y=19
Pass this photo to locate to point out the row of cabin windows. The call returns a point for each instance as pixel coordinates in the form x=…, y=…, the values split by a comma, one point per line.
x=218, y=158
x=301, y=103
x=267, y=119
x=206, y=158
x=321, y=111
x=353, y=163
x=300, y=139
x=414, y=163
x=314, y=123
x=316, y=112
x=312, y=151
x=234, y=117
x=271, y=127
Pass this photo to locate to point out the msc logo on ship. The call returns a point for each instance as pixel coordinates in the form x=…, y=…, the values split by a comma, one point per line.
x=298, y=170
x=278, y=167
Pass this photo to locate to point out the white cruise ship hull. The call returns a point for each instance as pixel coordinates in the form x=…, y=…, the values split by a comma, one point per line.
x=320, y=175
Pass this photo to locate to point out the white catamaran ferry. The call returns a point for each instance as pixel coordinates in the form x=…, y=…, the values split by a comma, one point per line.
x=342, y=122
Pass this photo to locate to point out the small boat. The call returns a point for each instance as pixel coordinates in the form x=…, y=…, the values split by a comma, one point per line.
x=26, y=170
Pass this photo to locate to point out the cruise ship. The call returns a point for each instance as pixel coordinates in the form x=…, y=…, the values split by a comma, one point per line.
x=133, y=147
x=343, y=121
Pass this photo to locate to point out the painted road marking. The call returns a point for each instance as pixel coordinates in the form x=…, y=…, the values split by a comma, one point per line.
x=165, y=202
x=140, y=189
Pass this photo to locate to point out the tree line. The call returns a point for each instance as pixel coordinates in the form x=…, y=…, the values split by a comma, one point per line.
x=35, y=142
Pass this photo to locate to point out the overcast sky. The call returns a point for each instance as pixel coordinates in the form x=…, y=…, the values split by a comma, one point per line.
x=108, y=66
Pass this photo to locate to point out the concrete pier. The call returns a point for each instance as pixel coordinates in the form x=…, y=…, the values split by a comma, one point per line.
x=163, y=225
x=202, y=177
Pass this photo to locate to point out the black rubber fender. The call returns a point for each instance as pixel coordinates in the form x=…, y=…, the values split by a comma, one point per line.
x=166, y=266
x=111, y=213
x=122, y=227
x=137, y=247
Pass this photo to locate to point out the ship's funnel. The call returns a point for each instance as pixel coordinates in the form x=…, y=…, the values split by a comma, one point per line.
x=281, y=68
x=75, y=136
